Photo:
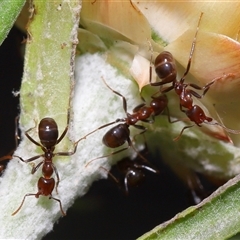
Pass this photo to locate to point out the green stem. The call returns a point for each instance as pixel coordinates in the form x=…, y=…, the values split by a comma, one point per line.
x=9, y=11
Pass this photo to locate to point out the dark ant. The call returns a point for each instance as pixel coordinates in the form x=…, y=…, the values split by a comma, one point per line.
x=5, y=158
x=133, y=172
x=166, y=70
x=48, y=135
x=118, y=135
x=8, y=156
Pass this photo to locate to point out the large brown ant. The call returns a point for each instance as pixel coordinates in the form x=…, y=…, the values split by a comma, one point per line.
x=166, y=70
x=48, y=136
x=119, y=134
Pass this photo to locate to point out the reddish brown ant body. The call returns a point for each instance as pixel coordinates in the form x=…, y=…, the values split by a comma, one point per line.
x=166, y=70
x=118, y=135
x=48, y=135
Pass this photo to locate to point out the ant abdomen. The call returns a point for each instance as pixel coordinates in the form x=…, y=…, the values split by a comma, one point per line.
x=165, y=67
x=48, y=132
x=197, y=115
x=116, y=136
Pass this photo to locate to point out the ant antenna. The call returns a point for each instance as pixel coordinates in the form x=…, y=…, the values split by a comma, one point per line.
x=192, y=50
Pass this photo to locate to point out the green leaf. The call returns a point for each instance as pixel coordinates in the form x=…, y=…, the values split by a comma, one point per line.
x=45, y=90
x=9, y=11
x=217, y=217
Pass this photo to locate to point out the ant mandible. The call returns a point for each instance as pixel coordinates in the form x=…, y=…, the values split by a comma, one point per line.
x=166, y=70
x=118, y=135
x=48, y=135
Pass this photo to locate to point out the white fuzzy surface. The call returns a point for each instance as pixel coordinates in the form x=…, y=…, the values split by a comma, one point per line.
x=93, y=105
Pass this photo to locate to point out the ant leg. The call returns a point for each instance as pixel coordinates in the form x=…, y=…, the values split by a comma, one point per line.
x=60, y=204
x=144, y=129
x=35, y=168
x=177, y=138
x=207, y=86
x=110, y=174
x=30, y=138
x=76, y=143
x=108, y=155
x=136, y=109
x=101, y=127
x=30, y=159
x=27, y=195
x=169, y=118
x=66, y=128
x=138, y=153
x=150, y=70
x=68, y=120
x=166, y=89
x=151, y=64
x=58, y=179
x=17, y=138
x=119, y=94
x=205, y=89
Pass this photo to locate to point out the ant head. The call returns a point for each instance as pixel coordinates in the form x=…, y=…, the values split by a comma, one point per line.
x=134, y=177
x=48, y=132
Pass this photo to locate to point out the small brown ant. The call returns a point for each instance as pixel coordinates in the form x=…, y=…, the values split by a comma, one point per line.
x=118, y=135
x=48, y=135
x=166, y=70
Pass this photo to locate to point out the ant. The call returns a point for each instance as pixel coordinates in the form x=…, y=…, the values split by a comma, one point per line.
x=166, y=70
x=5, y=158
x=8, y=156
x=48, y=136
x=132, y=170
x=118, y=135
